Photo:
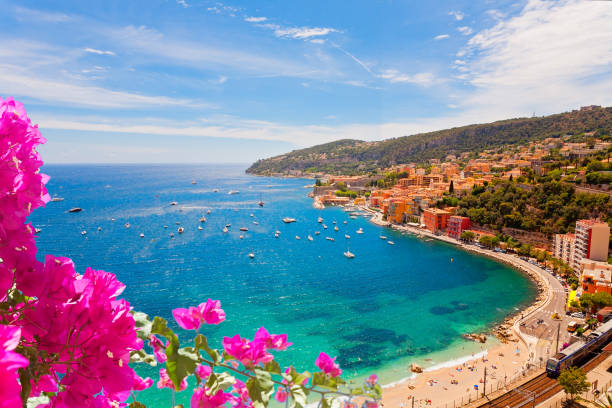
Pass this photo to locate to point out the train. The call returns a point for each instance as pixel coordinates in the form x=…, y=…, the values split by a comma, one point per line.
x=578, y=351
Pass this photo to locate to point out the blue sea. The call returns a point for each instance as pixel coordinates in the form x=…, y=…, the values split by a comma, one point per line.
x=389, y=306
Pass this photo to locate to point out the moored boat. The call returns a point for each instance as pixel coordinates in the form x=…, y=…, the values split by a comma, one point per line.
x=289, y=220
x=181, y=230
x=349, y=254
x=75, y=210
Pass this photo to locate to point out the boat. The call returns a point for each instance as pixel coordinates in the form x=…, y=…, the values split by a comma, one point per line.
x=180, y=230
x=200, y=228
x=232, y=192
x=54, y=199
x=255, y=223
x=276, y=235
x=75, y=210
x=241, y=237
x=334, y=222
x=127, y=225
x=346, y=222
x=289, y=220
x=177, y=223
x=360, y=231
x=251, y=255
x=112, y=219
x=225, y=229
x=193, y=182
x=347, y=236
x=310, y=238
x=251, y=215
x=203, y=219
x=141, y=235
x=319, y=220
x=99, y=228
x=165, y=227
x=317, y=232
x=173, y=203
x=382, y=237
x=244, y=229
x=277, y=232
x=349, y=254
x=336, y=228
x=207, y=211
x=37, y=230
x=215, y=190
x=297, y=237
x=172, y=235
x=329, y=239
x=228, y=225
x=390, y=242
x=83, y=232
x=324, y=226
x=260, y=203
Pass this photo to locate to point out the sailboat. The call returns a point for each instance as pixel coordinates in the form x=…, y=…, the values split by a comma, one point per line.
x=225, y=229
x=319, y=220
x=260, y=203
x=348, y=253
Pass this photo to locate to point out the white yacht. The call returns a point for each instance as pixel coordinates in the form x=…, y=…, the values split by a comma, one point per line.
x=83, y=232
x=225, y=229
x=382, y=237
x=200, y=228
x=289, y=220
x=180, y=230
x=390, y=242
x=349, y=254
x=324, y=226
x=329, y=239
x=336, y=228
x=317, y=232
x=319, y=220
x=232, y=192
x=251, y=255
x=203, y=219
x=360, y=231
x=347, y=236
x=127, y=225
x=297, y=237
x=310, y=238
x=141, y=235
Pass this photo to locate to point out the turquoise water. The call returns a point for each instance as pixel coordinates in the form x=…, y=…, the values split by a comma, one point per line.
x=387, y=307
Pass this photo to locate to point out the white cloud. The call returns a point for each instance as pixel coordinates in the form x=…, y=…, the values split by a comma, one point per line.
x=465, y=30
x=542, y=60
x=255, y=19
x=495, y=14
x=318, y=41
x=303, y=32
x=441, y=37
x=394, y=76
x=182, y=3
x=457, y=14
x=31, y=15
x=98, y=52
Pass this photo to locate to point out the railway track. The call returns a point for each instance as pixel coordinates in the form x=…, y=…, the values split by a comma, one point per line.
x=536, y=390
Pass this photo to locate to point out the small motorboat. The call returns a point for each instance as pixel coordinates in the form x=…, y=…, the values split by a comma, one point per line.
x=215, y=190
x=172, y=235
x=141, y=235
x=360, y=231
x=251, y=255
x=276, y=235
x=255, y=223
x=319, y=220
x=310, y=238
x=390, y=242
x=203, y=219
x=37, y=230
x=260, y=203
x=297, y=237
x=382, y=237
x=347, y=236
x=329, y=239
x=99, y=228
x=75, y=210
x=228, y=225
x=251, y=215
x=173, y=203
x=193, y=182
x=83, y=232
x=232, y=192
x=127, y=225
x=180, y=230
x=324, y=226
x=54, y=199
x=244, y=229
x=177, y=223
x=241, y=237
x=225, y=229
x=317, y=232
x=207, y=211
x=334, y=222
x=336, y=228
x=349, y=254
x=289, y=220
x=277, y=232
x=200, y=228
x=112, y=220
x=165, y=227
x=346, y=222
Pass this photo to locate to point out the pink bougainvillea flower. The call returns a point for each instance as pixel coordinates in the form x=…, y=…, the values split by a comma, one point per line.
x=141, y=384
x=371, y=404
x=46, y=383
x=193, y=317
x=243, y=399
x=272, y=341
x=166, y=382
x=327, y=365
x=372, y=380
x=10, y=362
x=202, y=399
x=288, y=371
x=248, y=353
x=203, y=371
x=158, y=348
x=281, y=394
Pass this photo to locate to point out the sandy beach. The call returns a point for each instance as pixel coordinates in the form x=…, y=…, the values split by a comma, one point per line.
x=454, y=385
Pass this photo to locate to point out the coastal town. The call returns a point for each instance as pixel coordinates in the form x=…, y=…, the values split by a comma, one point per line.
x=569, y=265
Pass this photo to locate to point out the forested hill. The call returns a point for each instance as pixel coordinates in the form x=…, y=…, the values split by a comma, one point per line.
x=350, y=156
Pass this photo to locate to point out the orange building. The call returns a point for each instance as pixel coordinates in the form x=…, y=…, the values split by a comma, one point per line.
x=396, y=210
x=435, y=219
x=595, y=276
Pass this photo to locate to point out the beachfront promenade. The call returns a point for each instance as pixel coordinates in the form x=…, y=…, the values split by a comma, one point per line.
x=509, y=365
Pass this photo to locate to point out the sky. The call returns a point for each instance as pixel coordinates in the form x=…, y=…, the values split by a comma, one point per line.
x=184, y=81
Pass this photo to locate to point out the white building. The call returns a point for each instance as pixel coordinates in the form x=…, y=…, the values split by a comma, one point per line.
x=563, y=247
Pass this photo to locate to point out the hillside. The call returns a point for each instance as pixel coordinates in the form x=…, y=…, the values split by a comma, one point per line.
x=350, y=156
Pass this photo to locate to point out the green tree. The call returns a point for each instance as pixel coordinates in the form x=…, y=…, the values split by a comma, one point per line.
x=318, y=182
x=573, y=381
x=451, y=187
x=601, y=299
x=467, y=236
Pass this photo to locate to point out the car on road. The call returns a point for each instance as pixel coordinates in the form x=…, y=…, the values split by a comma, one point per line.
x=577, y=315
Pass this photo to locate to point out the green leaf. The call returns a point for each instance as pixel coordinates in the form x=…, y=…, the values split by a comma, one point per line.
x=201, y=343
x=221, y=381
x=260, y=388
x=180, y=362
x=356, y=391
x=323, y=380
x=273, y=367
x=140, y=356
x=326, y=401
x=298, y=396
x=143, y=324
